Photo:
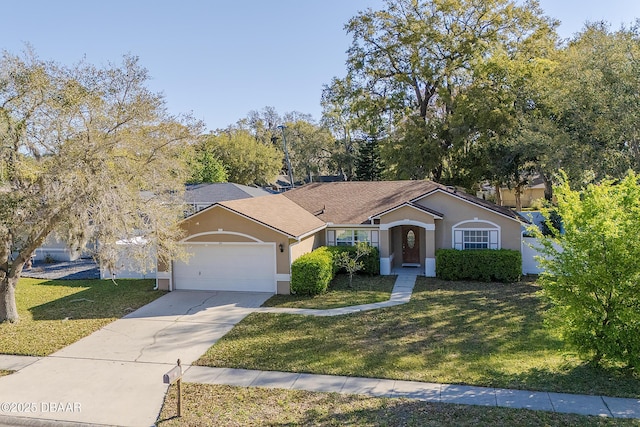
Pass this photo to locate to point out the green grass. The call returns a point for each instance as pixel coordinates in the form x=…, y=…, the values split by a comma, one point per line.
x=56, y=313
x=365, y=290
x=5, y=372
x=208, y=405
x=485, y=334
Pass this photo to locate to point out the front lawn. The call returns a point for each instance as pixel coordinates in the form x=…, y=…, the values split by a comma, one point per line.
x=365, y=290
x=208, y=405
x=485, y=334
x=56, y=313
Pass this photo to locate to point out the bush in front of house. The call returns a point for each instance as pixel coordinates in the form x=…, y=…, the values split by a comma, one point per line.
x=312, y=272
x=370, y=262
x=486, y=265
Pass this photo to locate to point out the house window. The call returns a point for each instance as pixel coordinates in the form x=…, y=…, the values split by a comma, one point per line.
x=352, y=237
x=475, y=239
x=344, y=238
x=468, y=238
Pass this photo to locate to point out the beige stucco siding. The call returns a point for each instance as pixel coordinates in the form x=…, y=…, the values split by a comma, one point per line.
x=305, y=245
x=221, y=225
x=406, y=213
x=283, y=288
x=391, y=241
x=456, y=210
x=163, y=284
x=219, y=237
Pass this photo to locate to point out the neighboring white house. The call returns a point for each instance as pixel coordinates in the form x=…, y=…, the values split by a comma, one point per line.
x=55, y=249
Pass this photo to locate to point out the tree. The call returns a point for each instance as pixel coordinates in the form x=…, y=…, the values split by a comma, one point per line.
x=506, y=115
x=593, y=277
x=309, y=147
x=368, y=162
x=248, y=161
x=413, y=58
x=86, y=152
x=205, y=167
x=598, y=102
x=338, y=116
x=352, y=264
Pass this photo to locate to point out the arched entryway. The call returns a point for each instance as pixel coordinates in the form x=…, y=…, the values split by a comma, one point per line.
x=407, y=243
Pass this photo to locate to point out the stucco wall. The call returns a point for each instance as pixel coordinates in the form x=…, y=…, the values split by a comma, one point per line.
x=404, y=213
x=163, y=284
x=221, y=224
x=306, y=245
x=456, y=210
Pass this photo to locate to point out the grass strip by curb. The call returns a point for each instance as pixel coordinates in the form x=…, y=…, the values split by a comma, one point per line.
x=206, y=405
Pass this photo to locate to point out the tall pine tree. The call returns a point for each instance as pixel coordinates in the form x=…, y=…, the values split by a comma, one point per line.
x=368, y=163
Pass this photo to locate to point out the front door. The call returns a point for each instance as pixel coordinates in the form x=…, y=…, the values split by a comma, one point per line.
x=410, y=245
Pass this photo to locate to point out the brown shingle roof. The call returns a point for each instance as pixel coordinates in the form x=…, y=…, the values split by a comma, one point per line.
x=353, y=202
x=276, y=211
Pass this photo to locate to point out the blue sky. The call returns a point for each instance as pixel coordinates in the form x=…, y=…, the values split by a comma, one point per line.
x=219, y=59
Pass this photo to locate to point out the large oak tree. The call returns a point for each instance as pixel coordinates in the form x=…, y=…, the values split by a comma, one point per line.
x=86, y=152
x=414, y=57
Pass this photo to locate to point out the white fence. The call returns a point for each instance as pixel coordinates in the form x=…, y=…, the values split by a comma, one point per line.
x=530, y=250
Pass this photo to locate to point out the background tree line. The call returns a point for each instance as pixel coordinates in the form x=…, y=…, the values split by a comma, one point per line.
x=461, y=92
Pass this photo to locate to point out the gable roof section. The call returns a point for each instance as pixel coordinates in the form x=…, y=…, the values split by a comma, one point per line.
x=220, y=192
x=354, y=202
x=433, y=213
x=275, y=212
x=501, y=210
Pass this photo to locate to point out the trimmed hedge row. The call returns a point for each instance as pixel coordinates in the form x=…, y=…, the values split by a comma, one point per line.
x=312, y=272
x=485, y=265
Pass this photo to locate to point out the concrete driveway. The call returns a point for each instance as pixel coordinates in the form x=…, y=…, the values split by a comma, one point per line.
x=114, y=376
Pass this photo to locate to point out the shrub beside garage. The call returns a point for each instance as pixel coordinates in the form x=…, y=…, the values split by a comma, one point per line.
x=486, y=265
x=311, y=273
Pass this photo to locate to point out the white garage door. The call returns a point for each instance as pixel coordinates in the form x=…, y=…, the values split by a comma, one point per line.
x=227, y=267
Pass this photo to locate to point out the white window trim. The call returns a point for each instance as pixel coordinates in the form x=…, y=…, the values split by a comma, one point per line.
x=457, y=233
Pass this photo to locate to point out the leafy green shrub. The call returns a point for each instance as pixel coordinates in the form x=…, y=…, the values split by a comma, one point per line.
x=312, y=272
x=486, y=265
x=370, y=262
x=591, y=270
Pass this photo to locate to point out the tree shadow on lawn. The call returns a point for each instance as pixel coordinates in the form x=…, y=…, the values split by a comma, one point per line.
x=578, y=378
x=454, y=332
x=98, y=299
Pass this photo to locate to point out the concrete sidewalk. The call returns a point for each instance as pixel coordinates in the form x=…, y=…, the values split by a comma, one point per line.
x=440, y=393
